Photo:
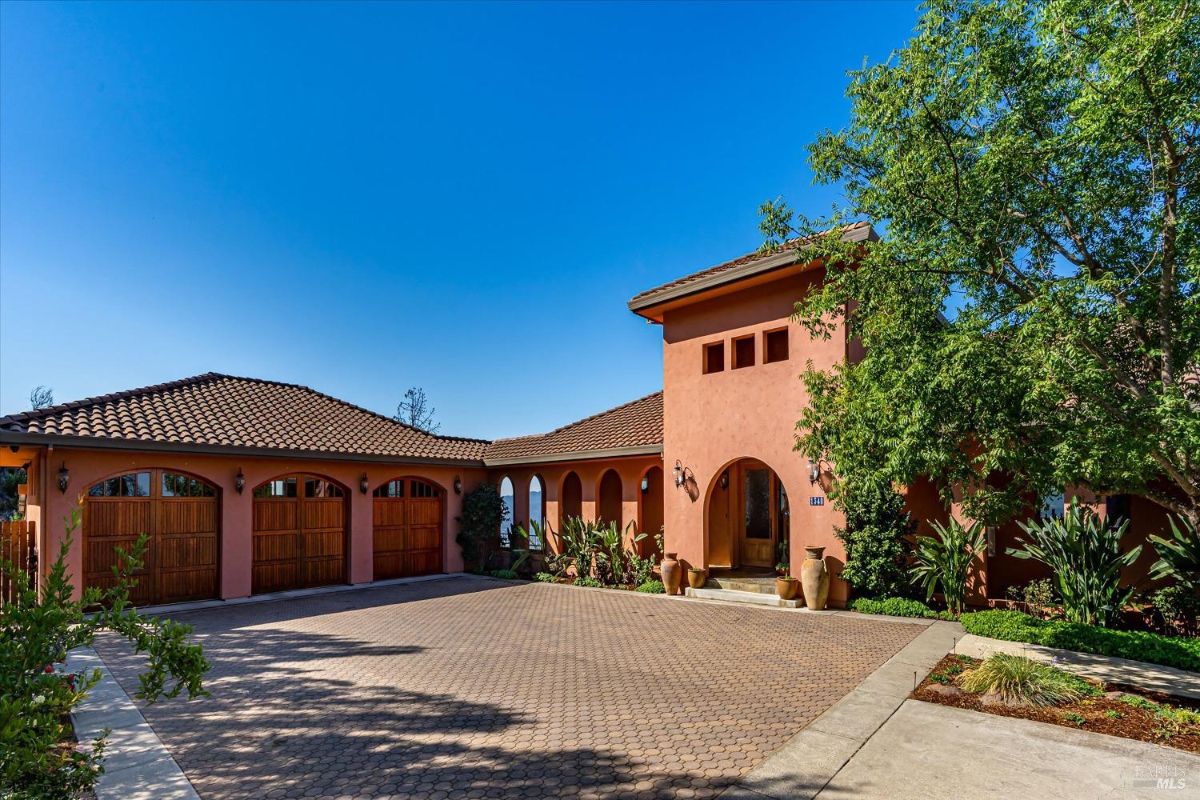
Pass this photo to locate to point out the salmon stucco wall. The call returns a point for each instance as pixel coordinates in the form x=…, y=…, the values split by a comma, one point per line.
x=635, y=504
x=86, y=467
x=713, y=420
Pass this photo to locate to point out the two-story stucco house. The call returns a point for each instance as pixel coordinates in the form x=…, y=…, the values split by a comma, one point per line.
x=249, y=486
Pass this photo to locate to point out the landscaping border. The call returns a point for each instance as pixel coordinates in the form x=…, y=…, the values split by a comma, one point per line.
x=137, y=766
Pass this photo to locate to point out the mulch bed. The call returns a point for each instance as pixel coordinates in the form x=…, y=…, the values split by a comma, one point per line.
x=1106, y=714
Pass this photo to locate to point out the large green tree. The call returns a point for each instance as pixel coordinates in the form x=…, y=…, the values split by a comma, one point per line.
x=1031, y=309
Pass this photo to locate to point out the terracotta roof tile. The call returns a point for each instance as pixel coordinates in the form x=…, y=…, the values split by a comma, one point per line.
x=850, y=231
x=635, y=424
x=226, y=411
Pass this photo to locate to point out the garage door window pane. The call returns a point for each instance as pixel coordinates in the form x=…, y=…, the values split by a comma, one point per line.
x=175, y=485
x=391, y=489
x=284, y=487
x=422, y=489
x=315, y=487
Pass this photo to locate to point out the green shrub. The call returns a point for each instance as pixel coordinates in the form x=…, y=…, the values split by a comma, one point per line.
x=479, y=525
x=1179, y=556
x=587, y=580
x=546, y=577
x=1022, y=681
x=946, y=560
x=1037, y=594
x=1179, y=606
x=652, y=587
x=36, y=632
x=1013, y=626
x=505, y=574
x=1084, y=553
x=897, y=607
x=877, y=540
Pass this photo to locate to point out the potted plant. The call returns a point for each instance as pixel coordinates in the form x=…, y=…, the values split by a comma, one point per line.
x=786, y=586
x=784, y=566
x=697, y=577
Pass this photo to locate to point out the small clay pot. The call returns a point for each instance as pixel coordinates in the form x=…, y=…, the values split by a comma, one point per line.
x=697, y=577
x=787, y=588
x=672, y=573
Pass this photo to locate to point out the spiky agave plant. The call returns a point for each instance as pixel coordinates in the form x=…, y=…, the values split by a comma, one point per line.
x=1084, y=553
x=945, y=561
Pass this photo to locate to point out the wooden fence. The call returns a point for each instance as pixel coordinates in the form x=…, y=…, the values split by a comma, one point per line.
x=18, y=545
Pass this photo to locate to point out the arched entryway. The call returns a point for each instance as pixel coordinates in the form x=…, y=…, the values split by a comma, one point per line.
x=747, y=516
x=570, y=502
x=299, y=533
x=408, y=530
x=179, y=515
x=608, y=499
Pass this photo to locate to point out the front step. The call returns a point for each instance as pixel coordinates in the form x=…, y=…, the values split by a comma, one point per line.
x=758, y=585
x=734, y=596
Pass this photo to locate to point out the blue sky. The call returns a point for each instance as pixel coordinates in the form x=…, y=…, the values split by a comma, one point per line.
x=363, y=198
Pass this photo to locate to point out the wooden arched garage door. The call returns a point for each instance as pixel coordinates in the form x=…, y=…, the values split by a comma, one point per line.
x=299, y=534
x=408, y=528
x=178, y=513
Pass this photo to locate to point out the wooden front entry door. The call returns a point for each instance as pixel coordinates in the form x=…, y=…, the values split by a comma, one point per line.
x=408, y=529
x=299, y=534
x=758, y=515
x=179, y=516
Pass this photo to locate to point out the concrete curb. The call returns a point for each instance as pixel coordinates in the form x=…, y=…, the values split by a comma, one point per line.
x=137, y=766
x=1138, y=674
x=804, y=766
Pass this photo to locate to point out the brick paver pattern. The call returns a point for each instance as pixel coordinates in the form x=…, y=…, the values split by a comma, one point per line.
x=472, y=688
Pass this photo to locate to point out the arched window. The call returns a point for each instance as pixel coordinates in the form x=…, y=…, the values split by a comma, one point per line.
x=506, y=497
x=537, y=499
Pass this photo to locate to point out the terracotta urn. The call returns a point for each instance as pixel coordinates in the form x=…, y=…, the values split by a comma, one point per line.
x=787, y=588
x=814, y=578
x=671, y=573
x=697, y=577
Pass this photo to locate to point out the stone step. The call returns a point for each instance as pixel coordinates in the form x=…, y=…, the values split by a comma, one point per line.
x=742, y=585
x=733, y=596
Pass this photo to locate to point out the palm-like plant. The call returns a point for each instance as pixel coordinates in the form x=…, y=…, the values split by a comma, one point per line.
x=1179, y=556
x=1084, y=553
x=945, y=560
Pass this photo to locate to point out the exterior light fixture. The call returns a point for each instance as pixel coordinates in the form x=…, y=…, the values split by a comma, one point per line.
x=645, y=484
x=814, y=471
x=724, y=479
x=678, y=470
x=457, y=484
x=239, y=481
x=64, y=478
x=364, y=484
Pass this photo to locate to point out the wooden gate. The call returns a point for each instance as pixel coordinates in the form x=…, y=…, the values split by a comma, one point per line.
x=299, y=534
x=180, y=516
x=408, y=529
x=18, y=546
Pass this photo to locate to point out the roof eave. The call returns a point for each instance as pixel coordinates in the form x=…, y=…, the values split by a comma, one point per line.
x=576, y=455
x=10, y=437
x=643, y=305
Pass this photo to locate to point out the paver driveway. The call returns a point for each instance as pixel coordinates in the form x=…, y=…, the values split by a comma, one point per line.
x=466, y=687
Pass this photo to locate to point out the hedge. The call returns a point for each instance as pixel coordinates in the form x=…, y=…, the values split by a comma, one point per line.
x=1013, y=626
x=897, y=607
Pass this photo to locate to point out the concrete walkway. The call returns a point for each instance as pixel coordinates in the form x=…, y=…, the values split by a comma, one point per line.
x=1139, y=674
x=136, y=764
x=877, y=744
x=933, y=752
